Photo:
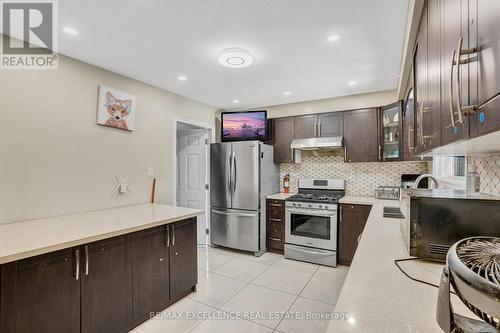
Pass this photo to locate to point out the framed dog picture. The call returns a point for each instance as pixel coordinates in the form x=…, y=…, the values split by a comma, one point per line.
x=116, y=109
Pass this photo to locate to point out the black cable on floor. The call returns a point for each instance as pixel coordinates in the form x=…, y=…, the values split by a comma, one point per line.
x=397, y=261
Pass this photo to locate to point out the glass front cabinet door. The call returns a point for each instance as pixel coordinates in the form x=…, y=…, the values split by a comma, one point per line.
x=390, y=148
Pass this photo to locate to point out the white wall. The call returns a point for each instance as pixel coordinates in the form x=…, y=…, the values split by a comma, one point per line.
x=333, y=104
x=55, y=160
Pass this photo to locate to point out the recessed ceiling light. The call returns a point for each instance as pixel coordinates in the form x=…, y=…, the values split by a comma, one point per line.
x=333, y=38
x=182, y=78
x=235, y=58
x=287, y=93
x=352, y=83
x=236, y=101
x=70, y=31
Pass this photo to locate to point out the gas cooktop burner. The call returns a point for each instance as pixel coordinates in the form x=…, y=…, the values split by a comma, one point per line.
x=307, y=197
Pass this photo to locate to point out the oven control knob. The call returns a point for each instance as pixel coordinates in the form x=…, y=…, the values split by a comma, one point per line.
x=326, y=207
x=294, y=204
x=310, y=206
x=320, y=206
x=299, y=205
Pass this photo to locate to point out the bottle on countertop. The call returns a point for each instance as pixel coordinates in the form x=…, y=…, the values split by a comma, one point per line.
x=286, y=183
x=473, y=182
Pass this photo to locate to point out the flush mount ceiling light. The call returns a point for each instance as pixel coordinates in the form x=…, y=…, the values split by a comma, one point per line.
x=287, y=93
x=235, y=58
x=352, y=83
x=182, y=78
x=236, y=101
x=333, y=38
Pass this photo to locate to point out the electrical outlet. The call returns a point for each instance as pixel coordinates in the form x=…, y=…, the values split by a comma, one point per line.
x=150, y=172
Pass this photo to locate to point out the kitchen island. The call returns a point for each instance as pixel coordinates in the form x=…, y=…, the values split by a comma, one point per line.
x=101, y=271
x=377, y=296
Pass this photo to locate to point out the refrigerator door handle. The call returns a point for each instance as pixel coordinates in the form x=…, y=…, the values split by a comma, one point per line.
x=232, y=214
x=234, y=172
x=230, y=173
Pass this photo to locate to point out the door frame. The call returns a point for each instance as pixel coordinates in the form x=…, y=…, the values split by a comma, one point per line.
x=210, y=128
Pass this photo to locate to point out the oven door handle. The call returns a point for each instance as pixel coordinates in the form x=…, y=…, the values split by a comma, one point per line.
x=308, y=212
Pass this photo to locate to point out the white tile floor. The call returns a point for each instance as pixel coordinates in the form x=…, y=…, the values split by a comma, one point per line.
x=242, y=293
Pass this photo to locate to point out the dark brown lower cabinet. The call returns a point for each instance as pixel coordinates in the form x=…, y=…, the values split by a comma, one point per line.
x=275, y=226
x=106, y=286
x=351, y=225
x=183, y=257
x=150, y=271
x=40, y=294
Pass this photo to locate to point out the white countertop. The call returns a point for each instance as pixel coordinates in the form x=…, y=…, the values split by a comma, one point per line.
x=29, y=238
x=377, y=295
x=279, y=196
x=357, y=200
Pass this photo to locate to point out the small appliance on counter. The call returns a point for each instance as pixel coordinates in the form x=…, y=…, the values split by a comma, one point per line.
x=388, y=192
x=473, y=269
x=437, y=218
x=311, y=221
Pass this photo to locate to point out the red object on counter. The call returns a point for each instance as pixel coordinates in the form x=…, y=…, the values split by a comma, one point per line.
x=286, y=183
x=153, y=191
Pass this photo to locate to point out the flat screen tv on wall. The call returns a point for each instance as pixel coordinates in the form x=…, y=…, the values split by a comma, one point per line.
x=243, y=126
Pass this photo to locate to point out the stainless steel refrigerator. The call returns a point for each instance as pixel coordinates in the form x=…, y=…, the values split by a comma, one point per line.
x=241, y=175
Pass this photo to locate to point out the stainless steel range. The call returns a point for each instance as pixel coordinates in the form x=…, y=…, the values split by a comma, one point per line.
x=311, y=221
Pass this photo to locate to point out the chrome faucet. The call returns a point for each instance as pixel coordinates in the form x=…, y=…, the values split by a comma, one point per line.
x=426, y=175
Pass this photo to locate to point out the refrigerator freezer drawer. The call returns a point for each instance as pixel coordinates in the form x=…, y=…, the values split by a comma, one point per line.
x=237, y=229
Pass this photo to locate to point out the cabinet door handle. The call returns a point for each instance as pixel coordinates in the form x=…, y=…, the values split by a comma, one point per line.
x=275, y=220
x=275, y=239
x=167, y=233
x=466, y=109
x=77, y=264
x=340, y=216
x=275, y=205
x=173, y=235
x=86, y=260
x=450, y=86
x=319, y=129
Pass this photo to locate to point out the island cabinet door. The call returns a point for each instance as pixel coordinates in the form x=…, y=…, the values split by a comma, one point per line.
x=106, y=285
x=40, y=294
x=183, y=258
x=150, y=271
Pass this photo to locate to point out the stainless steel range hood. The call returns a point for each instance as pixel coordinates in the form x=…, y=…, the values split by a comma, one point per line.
x=328, y=143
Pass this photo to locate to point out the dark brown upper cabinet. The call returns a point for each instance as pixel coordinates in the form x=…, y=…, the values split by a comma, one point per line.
x=306, y=126
x=484, y=65
x=391, y=120
x=330, y=124
x=420, y=85
x=361, y=135
x=283, y=129
x=318, y=125
x=409, y=126
x=40, y=294
x=454, y=78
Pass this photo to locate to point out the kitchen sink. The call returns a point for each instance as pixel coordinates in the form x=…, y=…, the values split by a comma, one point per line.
x=393, y=213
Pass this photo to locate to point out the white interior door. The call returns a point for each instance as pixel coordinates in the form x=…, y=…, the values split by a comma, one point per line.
x=192, y=174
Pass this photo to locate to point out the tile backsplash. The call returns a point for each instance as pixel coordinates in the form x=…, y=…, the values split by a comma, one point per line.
x=361, y=178
x=488, y=167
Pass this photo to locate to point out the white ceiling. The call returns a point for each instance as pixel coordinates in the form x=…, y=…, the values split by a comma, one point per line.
x=155, y=41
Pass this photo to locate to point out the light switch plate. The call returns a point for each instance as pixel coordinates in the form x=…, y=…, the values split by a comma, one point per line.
x=150, y=172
